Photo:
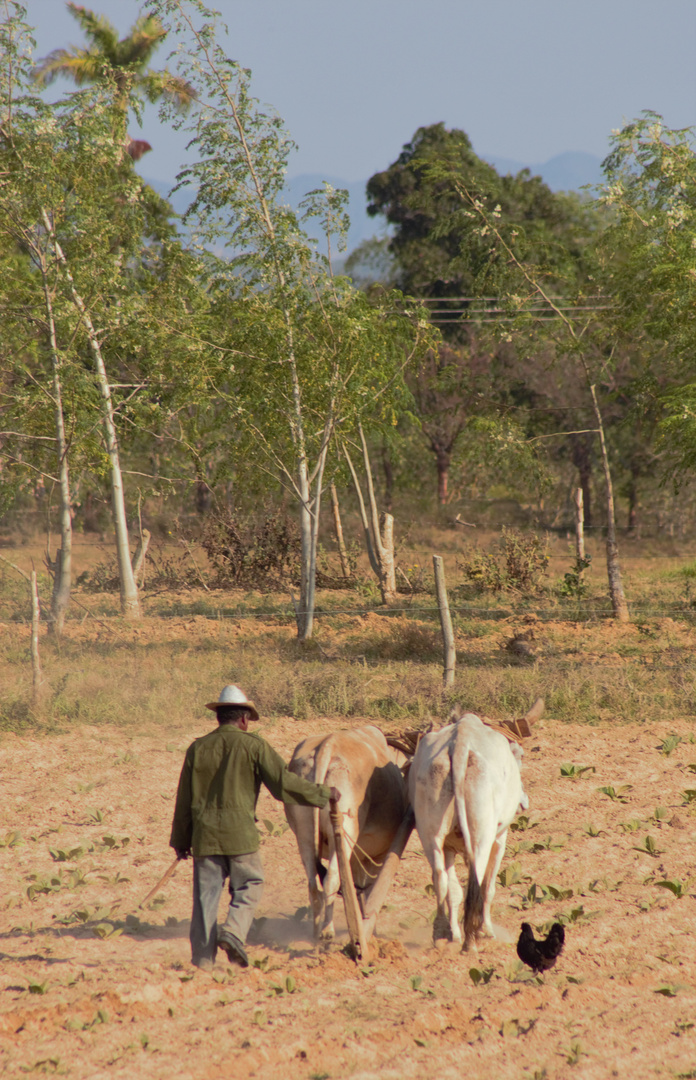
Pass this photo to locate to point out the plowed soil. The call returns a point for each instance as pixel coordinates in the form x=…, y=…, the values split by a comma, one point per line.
x=92, y=986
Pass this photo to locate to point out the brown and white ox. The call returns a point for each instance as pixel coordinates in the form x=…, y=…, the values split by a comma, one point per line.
x=465, y=787
x=373, y=803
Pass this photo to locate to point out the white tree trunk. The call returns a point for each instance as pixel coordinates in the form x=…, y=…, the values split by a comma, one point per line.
x=130, y=605
x=62, y=580
x=616, y=593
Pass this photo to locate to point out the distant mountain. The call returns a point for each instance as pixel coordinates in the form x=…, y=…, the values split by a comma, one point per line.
x=565, y=172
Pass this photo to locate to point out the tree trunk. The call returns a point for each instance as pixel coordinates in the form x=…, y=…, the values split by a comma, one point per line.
x=379, y=540
x=130, y=605
x=62, y=580
x=582, y=461
x=442, y=459
x=345, y=565
x=388, y=478
x=616, y=593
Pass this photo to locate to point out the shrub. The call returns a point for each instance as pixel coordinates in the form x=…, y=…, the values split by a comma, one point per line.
x=519, y=564
x=263, y=555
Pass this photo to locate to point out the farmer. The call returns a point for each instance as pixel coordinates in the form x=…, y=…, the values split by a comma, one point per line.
x=214, y=820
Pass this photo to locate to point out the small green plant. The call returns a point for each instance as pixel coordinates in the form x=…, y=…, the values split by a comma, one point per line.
x=105, y=931
x=660, y=814
x=689, y=795
x=523, y=823
x=575, y=771
x=11, y=839
x=37, y=987
x=510, y=875
x=67, y=854
x=480, y=976
x=648, y=847
x=592, y=830
x=574, y=1053
x=574, y=586
x=275, y=830
x=668, y=990
x=619, y=794
x=519, y=565
x=95, y=815
x=676, y=887
x=669, y=744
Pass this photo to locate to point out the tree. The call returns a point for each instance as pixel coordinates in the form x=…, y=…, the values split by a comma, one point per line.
x=304, y=354
x=73, y=205
x=647, y=257
x=124, y=62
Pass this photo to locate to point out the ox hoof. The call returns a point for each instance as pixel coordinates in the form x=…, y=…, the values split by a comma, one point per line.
x=442, y=931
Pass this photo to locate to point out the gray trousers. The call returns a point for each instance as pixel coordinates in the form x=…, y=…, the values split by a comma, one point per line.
x=245, y=874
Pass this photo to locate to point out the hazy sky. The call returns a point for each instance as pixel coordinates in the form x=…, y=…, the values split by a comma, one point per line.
x=526, y=79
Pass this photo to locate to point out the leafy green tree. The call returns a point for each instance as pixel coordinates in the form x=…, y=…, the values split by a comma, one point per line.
x=648, y=270
x=123, y=62
x=305, y=355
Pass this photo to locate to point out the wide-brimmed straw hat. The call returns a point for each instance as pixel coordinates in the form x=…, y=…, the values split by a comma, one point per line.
x=232, y=695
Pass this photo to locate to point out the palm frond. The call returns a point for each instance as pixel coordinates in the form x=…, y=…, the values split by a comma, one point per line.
x=162, y=84
x=80, y=65
x=144, y=37
x=98, y=29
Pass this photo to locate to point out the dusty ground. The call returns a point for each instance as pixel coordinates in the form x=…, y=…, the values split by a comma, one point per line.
x=91, y=987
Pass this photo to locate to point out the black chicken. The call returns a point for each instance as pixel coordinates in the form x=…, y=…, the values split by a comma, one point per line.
x=540, y=955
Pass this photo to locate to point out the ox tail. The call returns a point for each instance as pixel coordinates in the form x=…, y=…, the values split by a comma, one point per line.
x=460, y=759
x=322, y=760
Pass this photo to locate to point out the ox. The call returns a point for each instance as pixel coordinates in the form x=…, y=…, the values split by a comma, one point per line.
x=373, y=802
x=465, y=788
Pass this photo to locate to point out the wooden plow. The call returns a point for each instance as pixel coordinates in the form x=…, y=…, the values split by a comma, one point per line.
x=361, y=919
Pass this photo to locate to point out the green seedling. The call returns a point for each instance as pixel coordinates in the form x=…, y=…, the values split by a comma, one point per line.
x=676, y=887
x=592, y=830
x=11, y=839
x=692, y=766
x=259, y=1017
x=112, y=842
x=574, y=772
x=105, y=931
x=510, y=875
x=648, y=847
x=575, y=1052
x=114, y=879
x=261, y=964
x=276, y=830
x=37, y=987
x=546, y=845
x=660, y=814
x=127, y=759
x=415, y=982
x=523, y=823
x=95, y=815
x=668, y=990
x=619, y=794
x=67, y=854
x=682, y=1027
x=689, y=795
x=669, y=744
x=44, y=1065
x=479, y=976
x=633, y=825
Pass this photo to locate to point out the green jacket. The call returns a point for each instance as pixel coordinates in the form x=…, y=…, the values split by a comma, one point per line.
x=219, y=787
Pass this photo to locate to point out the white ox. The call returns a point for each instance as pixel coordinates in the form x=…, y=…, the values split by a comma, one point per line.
x=373, y=803
x=465, y=788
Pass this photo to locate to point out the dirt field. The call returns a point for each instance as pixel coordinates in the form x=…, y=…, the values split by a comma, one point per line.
x=92, y=987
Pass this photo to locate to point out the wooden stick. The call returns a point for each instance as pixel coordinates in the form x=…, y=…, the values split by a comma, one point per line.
x=378, y=892
x=161, y=883
x=350, y=899
x=445, y=621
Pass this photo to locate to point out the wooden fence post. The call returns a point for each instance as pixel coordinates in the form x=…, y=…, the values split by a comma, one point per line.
x=445, y=621
x=579, y=525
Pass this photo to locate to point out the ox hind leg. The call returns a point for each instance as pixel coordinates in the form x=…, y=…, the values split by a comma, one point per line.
x=448, y=894
x=489, y=879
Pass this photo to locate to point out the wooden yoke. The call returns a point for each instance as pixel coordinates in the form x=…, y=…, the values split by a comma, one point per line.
x=350, y=898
